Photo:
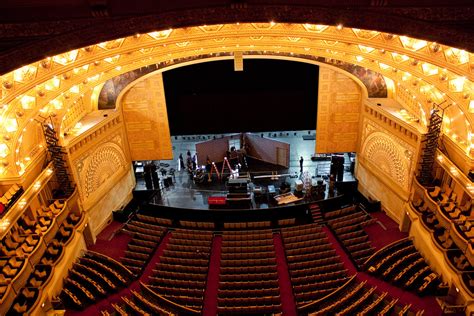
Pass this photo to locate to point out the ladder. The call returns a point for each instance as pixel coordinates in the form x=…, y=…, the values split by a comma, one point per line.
x=56, y=154
x=425, y=175
x=224, y=164
x=213, y=169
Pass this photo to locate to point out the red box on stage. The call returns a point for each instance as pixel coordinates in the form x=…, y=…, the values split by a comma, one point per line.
x=216, y=200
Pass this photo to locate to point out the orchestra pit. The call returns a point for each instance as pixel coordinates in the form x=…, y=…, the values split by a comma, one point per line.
x=236, y=158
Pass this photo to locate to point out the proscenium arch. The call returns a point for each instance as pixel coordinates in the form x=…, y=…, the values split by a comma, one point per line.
x=420, y=68
x=118, y=103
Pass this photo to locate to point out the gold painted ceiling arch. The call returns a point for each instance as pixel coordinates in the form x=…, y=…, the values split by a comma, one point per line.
x=425, y=72
x=374, y=82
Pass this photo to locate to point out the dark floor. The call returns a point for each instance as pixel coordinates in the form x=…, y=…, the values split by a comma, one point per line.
x=186, y=193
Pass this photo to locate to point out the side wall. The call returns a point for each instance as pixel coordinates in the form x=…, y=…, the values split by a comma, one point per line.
x=146, y=120
x=101, y=167
x=339, y=104
x=386, y=160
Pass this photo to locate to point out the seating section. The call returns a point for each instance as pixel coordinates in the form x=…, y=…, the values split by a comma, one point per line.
x=20, y=250
x=356, y=298
x=348, y=223
x=456, y=230
x=36, y=279
x=315, y=268
x=181, y=274
x=447, y=202
x=91, y=278
x=9, y=198
x=248, y=279
x=401, y=264
x=147, y=233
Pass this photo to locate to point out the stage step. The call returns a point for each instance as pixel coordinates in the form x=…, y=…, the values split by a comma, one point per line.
x=316, y=214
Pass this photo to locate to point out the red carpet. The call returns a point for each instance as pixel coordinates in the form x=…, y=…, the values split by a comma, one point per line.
x=111, y=234
x=286, y=290
x=380, y=237
x=109, y=231
x=155, y=258
x=212, y=285
x=340, y=252
x=429, y=304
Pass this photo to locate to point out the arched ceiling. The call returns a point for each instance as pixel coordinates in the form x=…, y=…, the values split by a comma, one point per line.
x=425, y=72
x=32, y=29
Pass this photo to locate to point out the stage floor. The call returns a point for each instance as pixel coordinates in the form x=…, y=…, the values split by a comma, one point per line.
x=185, y=193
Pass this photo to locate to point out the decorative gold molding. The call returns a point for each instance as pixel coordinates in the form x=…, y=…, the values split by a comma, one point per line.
x=429, y=72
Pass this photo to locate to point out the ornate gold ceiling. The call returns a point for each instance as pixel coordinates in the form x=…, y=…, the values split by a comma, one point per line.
x=424, y=73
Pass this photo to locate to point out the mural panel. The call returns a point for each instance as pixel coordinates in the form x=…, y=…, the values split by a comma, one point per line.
x=373, y=81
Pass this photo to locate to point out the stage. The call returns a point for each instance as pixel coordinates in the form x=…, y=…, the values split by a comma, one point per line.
x=185, y=193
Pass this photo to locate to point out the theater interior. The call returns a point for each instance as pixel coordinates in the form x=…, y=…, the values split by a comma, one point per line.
x=89, y=227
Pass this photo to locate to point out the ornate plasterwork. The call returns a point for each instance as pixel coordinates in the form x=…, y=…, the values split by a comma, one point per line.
x=387, y=154
x=97, y=168
x=429, y=72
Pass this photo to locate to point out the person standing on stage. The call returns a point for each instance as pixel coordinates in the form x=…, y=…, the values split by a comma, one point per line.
x=194, y=162
x=181, y=162
x=301, y=164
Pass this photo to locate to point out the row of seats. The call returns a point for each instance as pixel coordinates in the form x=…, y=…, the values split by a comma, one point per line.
x=247, y=225
x=355, y=298
x=91, y=278
x=146, y=234
x=309, y=247
x=348, y=224
x=286, y=222
x=300, y=230
x=248, y=278
x=339, y=212
x=314, y=267
x=201, y=225
x=180, y=275
x=248, y=243
x=401, y=264
x=10, y=197
x=137, y=304
x=265, y=235
x=154, y=220
x=294, y=240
